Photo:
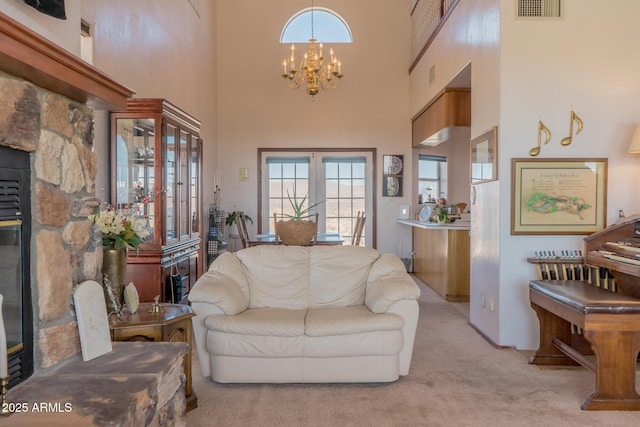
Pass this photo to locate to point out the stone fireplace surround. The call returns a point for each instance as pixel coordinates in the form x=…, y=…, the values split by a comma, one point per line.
x=47, y=102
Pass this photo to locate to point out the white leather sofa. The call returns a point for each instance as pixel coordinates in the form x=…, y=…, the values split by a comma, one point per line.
x=293, y=314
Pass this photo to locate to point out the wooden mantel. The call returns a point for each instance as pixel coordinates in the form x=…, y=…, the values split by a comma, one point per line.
x=28, y=55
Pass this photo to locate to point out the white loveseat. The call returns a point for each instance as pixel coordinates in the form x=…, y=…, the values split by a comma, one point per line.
x=293, y=314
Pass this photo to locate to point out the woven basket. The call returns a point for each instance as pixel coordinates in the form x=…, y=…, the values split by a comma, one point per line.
x=296, y=232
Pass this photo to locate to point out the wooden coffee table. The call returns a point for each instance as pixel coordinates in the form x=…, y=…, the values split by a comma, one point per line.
x=172, y=324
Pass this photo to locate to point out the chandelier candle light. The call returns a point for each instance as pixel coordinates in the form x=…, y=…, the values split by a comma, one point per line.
x=312, y=70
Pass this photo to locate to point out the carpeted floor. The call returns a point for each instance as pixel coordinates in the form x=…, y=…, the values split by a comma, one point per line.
x=456, y=379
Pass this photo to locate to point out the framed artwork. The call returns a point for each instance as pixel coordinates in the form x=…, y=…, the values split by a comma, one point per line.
x=484, y=153
x=393, y=169
x=558, y=196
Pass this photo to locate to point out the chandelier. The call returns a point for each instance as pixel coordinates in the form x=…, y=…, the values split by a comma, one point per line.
x=312, y=70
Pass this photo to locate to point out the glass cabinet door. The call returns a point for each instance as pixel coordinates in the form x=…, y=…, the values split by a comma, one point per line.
x=194, y=185
x=135, y=167
x=183, y=186
x=171, y=180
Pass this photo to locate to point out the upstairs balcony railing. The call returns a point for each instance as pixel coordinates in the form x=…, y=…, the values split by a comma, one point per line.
x=427, y=17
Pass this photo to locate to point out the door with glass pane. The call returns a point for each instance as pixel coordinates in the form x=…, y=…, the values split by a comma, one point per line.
x=339, y=182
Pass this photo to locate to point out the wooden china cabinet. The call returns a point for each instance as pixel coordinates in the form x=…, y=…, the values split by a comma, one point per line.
x=156, y=164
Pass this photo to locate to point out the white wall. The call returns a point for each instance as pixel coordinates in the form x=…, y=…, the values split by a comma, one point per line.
x=472, y=35
x=159, y=52
x=587, y=62
x=369, y=109
x=64, y=33
x=524, y=71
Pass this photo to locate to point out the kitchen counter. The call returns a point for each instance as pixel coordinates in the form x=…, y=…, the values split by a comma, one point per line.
x=442, y=257
x=458, y=225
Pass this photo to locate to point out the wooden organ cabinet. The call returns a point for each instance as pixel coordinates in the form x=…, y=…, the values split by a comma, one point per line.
x=156, y=162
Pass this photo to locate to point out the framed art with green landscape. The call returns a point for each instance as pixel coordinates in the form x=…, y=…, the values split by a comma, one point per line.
x=558, y=196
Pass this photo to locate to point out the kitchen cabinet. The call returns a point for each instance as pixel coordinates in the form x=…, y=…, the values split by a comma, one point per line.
x=450, y=110
x=156, y=165
x=442, y=260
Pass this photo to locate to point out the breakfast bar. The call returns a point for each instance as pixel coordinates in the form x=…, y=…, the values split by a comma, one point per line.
x=442, y=257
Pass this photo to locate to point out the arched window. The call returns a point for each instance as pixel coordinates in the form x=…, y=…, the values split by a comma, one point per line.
x=327, y=27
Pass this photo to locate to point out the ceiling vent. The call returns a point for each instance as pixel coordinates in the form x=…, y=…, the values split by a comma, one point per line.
x=540, y=9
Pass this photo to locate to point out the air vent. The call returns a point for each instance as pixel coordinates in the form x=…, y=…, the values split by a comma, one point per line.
x=85, y=28
x=9, y=200
x=539, y=9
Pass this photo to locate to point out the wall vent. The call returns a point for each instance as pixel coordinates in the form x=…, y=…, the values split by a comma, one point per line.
x=540, y=9
x=85, y=28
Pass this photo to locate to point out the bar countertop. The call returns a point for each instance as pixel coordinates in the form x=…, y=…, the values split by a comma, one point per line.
x=458, y=225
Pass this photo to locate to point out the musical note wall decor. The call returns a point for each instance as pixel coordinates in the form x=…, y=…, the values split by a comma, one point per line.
x=574, y=118
x=541, y=128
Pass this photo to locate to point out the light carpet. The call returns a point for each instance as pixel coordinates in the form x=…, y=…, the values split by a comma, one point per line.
x=457, y=379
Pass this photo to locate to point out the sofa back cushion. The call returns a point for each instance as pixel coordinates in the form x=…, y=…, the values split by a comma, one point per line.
x=338, y=275
x=278, y=275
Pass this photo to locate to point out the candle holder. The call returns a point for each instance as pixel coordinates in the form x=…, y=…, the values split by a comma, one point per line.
x=4, y=408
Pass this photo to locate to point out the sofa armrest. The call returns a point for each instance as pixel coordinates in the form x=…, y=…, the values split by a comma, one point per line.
x=214, y=287
x=387, y=290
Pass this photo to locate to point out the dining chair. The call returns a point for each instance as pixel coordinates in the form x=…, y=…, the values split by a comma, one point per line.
x=241, y=223
x=358, y=229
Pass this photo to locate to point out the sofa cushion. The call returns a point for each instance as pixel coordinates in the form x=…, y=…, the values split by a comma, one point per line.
x=385, y=265
x=229, y=265
x=348, y=320
x=217, y=288
x=278, y=275
x=240, y=345
x=260, y=321
x=338, y=275
x=388, y=290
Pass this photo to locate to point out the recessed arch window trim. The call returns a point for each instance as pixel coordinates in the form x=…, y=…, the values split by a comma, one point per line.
x=328, y=27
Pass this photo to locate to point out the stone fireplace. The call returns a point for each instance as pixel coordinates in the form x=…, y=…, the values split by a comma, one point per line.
x=47, y=102
x=58, y=134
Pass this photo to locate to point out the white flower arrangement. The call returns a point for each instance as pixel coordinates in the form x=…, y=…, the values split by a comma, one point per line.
x=121, y=228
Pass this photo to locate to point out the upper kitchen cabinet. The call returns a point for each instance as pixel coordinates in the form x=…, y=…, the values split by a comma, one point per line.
x=447, y=114
x=156, y=171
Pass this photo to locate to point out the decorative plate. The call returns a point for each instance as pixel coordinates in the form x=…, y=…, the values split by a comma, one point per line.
x=425, y=213
x=393, y=186
x=396, y=165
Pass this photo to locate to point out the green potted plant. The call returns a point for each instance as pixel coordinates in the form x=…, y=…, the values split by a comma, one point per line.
x=299, y=211
x=233, y=217
x=299, y=228
x=443, y=216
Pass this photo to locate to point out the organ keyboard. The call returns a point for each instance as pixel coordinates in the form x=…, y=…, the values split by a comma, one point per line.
x=617, y=248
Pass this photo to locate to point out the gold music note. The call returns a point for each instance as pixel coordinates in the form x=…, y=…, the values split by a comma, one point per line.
x=578, y=120
x=541, y=128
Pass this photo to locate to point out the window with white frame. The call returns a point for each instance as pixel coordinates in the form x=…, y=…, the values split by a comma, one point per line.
x=341, y=184
x=327, y=27
x=432, y=176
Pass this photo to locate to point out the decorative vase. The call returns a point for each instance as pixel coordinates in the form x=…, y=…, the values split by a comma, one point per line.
x=114, y=270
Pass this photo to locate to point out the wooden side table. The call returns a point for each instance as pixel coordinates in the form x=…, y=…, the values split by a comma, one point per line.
x=172, y=324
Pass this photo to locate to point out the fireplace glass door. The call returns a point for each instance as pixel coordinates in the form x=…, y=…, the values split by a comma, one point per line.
x=10, y=271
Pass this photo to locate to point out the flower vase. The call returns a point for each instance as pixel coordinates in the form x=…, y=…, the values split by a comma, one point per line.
x=114, y=271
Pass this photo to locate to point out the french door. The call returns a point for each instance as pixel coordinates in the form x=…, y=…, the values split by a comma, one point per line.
x=339, y=184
